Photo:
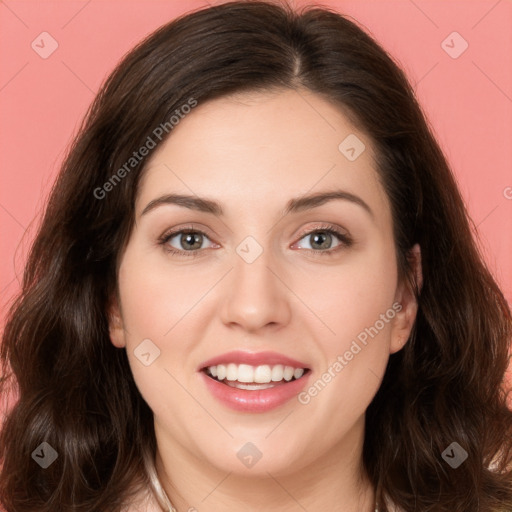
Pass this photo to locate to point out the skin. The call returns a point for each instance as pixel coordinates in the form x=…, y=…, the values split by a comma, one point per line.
x=252, y=153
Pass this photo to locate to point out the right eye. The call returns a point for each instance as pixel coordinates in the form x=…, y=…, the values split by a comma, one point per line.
x=190, y=240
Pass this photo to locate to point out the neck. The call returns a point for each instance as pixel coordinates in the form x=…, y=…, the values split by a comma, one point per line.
x=331, y=481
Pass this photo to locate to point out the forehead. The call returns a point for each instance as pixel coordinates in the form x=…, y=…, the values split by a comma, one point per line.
x=262, y=148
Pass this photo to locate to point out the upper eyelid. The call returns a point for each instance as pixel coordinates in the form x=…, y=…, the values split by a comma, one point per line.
x=324, y=227
x=173, y=232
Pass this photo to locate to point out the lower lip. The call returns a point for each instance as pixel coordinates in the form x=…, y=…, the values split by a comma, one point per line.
x=261, y=400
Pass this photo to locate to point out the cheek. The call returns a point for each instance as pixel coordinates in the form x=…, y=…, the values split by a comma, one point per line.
x=163, y=303
x=155, y=295
x=154, y=303
x=351, y=296
x=356, y=305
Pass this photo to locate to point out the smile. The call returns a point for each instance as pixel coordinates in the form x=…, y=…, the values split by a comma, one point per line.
x=257, y=389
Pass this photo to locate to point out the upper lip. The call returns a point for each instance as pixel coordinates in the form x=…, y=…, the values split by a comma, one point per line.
x=253, y=359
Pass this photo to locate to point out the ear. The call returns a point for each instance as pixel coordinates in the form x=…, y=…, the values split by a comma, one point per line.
x=116, y=325
x=405, y=296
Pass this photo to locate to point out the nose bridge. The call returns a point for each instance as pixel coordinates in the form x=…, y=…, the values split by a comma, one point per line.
x=255, y=297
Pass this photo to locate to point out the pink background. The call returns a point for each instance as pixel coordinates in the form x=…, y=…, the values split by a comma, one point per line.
x=467, y=99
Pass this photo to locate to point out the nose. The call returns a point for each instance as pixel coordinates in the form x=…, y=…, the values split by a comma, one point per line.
x=256, y=296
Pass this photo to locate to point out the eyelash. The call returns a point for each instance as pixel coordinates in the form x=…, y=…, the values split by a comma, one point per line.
x=345, y=240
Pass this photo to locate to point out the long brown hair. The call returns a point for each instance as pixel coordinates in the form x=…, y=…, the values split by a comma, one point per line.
x=75, y=389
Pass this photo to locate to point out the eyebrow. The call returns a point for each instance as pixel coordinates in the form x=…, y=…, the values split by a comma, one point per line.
x=294, y=205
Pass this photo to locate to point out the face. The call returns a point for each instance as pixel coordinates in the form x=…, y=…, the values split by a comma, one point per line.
x=261, y=270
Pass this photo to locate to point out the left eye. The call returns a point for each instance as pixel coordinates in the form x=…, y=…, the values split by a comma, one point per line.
x=321, y=239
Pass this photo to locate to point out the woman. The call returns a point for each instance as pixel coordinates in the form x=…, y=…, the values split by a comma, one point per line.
x=255, y=287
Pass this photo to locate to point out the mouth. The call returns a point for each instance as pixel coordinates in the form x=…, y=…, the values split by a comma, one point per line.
x=254, y=389
x=253, y=382
x=254, y=378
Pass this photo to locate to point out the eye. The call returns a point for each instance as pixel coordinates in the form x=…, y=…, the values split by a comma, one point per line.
x=186, y=241
x=189, y=241
x=321, y=239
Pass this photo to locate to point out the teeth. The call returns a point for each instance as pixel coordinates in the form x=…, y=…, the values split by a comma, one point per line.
x=277, y=373
x=288, y=372
x=221, y=371
x=250, y=387
x=262, y=374
x=231, y=372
